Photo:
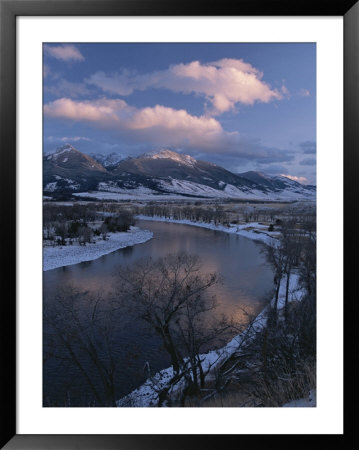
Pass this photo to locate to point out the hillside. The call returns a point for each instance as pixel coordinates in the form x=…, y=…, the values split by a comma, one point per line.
x=163, y=173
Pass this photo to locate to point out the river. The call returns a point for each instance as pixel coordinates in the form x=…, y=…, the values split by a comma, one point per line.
x=247, y=281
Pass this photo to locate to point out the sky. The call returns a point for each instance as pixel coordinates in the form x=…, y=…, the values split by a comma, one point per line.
x=244, y=106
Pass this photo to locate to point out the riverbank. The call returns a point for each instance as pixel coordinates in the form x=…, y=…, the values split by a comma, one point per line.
x=250, y=230
x=147, y=394
x=59, y=256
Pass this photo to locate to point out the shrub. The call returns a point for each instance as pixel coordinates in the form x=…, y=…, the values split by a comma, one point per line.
x=121, y=222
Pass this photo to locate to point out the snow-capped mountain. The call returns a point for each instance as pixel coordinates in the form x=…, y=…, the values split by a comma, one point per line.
x=173, y=156
x=107, y=161
x=167, y=165
x=69, y=169
x=164, y=172
x=279, y=183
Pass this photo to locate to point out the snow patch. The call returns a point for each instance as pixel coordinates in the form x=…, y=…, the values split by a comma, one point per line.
x=140, y=193
x=59, y=256
x=51, y=187
x=168, y=154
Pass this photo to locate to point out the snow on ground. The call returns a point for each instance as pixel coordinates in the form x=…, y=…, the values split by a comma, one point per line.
x=111, y=187
x=192, y=188
x=133, y=194
x=250, y=230
x=181, y=189
x=59, y=256
x=147, y=394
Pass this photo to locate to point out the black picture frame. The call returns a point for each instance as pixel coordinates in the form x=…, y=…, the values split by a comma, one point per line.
x=9, y=10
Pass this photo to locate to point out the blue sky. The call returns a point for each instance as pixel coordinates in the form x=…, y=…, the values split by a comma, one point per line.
x=242, y=106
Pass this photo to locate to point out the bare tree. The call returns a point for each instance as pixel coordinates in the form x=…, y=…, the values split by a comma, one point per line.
x=275, y=255
x=284, y=254
x=161, y=290
x=85, y=235
x=171, y=295
x=308, y=257
x=81, y=328
x=104, y=231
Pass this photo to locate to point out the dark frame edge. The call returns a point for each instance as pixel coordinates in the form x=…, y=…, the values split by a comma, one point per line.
x=8, y=185
x=9, y=10
x=351, y=166
x=178, y=8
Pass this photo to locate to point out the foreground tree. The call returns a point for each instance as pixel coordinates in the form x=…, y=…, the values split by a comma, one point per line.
x=285, y=254
x=171, y=295
x=81, y=328
x=275, y=256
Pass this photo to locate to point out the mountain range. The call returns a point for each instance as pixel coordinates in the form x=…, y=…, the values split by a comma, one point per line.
x=162, y=173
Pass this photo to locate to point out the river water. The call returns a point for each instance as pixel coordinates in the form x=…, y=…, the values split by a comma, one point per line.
x=246, y=281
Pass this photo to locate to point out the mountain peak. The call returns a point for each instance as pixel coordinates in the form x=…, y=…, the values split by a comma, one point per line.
x=107, y=160
x=65, y=148
x=165, y=171
x=174, y=156
x=62, y=149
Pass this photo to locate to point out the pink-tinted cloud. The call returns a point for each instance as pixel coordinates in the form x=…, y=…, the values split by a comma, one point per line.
x=63, y=88
x=45, y=71
x=164, y=126
x=64, y=52
x=67, y=139
x=304, y=93
x=301, y=180
x=96, y=111
x=158, y=123
x=224, y=83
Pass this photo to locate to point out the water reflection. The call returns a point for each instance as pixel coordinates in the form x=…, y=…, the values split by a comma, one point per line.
x=247, y=279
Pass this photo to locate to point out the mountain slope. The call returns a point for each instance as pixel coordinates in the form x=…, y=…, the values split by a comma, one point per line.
x=164, y=172
x=167, y=165
x=277, y=183
x=69, y=169
x=108, y=161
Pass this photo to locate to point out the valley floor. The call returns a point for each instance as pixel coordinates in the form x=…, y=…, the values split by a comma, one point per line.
x=59, y=256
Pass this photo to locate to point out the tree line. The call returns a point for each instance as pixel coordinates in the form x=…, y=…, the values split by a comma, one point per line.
x=226, y=215
x=210, y=214
x=64, y=224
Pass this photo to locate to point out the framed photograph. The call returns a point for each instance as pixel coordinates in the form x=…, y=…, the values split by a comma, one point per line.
x=174, y=179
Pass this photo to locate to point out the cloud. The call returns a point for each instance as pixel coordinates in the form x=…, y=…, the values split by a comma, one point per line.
x=308, y=162
x=67, y=88
x=301, y=180
x=284, y=90
x=224, y=83
x=304, y=93
x=124, y=83
x=163, y=126
x=101, y=111
x=158, y=123
x=308, y=147
x=45, y=71
x=64, y=52
x=67, y=139
x=273, y=169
